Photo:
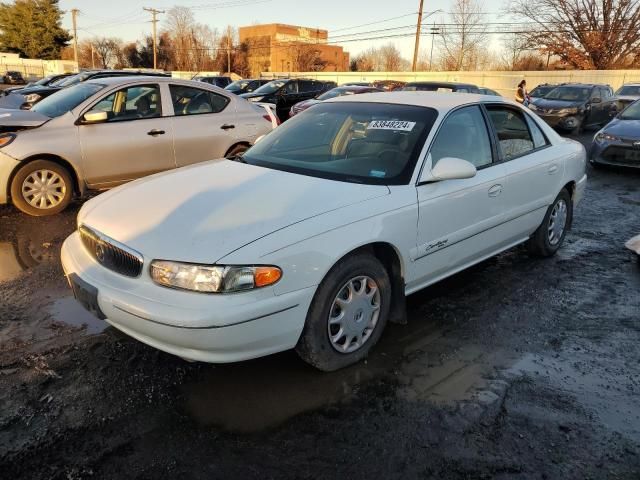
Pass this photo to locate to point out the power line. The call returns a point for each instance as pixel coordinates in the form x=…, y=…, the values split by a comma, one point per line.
x=154, y=12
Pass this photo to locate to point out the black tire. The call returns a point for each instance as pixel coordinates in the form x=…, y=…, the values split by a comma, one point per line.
x=540, y=244
x=314, y=345
x=236, y=150
x=64, y=191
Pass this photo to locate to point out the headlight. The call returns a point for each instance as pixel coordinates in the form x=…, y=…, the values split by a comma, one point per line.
x=255, y=99
x=213, y=278
x=6, y=139
x=32, y=98
x=568, y=111
x=605, y=137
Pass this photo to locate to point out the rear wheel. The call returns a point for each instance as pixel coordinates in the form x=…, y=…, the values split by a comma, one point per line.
x=42, y=188
x=549, y=236
x=347, y=315
x=236, y=150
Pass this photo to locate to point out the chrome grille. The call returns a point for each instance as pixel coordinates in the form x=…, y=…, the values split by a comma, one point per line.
x=110, y=253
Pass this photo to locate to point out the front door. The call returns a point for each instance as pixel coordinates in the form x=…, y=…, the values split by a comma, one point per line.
x=458, y=218
x=204, y=124
x=134, y=141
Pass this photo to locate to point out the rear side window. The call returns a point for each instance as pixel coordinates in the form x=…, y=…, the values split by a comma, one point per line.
x=514, y=137
x=194, y=101
x=539, y=140
x=472, y=146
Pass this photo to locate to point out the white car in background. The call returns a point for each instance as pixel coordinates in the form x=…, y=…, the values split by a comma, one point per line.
x=100, y=133
x=313, y=238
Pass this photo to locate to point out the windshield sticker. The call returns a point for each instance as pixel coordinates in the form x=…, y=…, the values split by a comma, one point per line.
x=391, y=125
x=377, y=173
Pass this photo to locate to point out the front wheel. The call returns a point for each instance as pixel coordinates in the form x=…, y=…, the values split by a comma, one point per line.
x=347, y=315
x=42, y=188
x=549, y=236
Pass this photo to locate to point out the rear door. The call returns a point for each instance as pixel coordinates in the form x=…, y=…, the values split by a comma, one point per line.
x=534, y=170
x=203, y=122
x=135, y=141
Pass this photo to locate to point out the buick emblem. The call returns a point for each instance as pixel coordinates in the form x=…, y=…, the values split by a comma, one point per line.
x=100, y=252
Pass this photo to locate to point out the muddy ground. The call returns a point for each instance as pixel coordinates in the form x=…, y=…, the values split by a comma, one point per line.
x=518, y=368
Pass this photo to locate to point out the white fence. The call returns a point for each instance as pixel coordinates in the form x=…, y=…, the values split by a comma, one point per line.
x=32, y=68
x=504, y=82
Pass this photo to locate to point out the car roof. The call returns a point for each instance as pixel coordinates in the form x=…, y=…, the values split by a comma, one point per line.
x=123, y=79
x=444, y=84
x=442, y=102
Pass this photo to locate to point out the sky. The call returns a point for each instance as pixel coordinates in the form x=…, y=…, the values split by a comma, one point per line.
x=126, y=19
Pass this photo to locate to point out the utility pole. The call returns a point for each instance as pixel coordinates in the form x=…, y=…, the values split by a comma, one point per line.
x=93, y=61
x=434, y=30
x=417, y=46
x=74, y=14
x=154, y=20
x=229, y=49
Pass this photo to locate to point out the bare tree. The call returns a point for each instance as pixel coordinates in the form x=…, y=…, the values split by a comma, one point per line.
x=306, y=58
x=107, y=51
x=386, y=58
x=466, y=38
x=179, y=23
x=586, y=34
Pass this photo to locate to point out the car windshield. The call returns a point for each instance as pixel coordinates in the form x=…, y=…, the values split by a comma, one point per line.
x=67, y=99
x=270, y=87
x=238, y=85
x=541, y=91
x=569, y=94
x=632, y=112
x=336, y=92
x=372, y=143
x=60, y=81
x=630, y=90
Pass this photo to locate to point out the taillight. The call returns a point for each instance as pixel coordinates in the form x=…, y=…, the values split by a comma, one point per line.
x=268, y=119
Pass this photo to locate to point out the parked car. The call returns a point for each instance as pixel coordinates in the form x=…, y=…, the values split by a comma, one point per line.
x=246, y=86
x=440, y=87
x=541, y=90
x=27, y=97
x=633, y=244
x=357, y=84
x=101, y=133
x=314, y=238
x=13, y=78
x=618, y=143
x=627, y=94
x=285, y=93
x=333, y=93
x=573, y=107
x=389, y=85
x=488, y=91
x=219, y=81
x=43, y=82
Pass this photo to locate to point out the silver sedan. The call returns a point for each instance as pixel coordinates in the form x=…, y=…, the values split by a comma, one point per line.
x=102, y=133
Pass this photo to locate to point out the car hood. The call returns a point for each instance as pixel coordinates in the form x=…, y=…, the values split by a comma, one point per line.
x=626, y=98
x=556, y=104
x=624, y=128
x=206, y=211
x=21, y=118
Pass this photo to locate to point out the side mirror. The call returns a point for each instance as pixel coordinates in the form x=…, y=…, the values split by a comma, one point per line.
x=95, y=117
x=596, y=100
x=450, y=168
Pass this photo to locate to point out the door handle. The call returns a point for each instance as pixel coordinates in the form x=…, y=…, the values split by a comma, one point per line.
x=553, y=169
x=495, y=190
x=226, y=126
x=155, y=132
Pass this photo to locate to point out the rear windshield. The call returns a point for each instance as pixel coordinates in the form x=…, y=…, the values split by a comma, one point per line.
x=372, y=143
x=66, y=99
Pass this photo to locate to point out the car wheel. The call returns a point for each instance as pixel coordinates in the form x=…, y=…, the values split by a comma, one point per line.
x=42, y=188
x=236, y=150
x=549, y=236
x=347, y=315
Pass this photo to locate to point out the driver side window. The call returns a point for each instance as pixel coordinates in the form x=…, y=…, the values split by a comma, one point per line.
x=132, y=103
x=463, y=135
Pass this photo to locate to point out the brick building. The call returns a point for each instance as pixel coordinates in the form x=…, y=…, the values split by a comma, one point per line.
x=287, y=48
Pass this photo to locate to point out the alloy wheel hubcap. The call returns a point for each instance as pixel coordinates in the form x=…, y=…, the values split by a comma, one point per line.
x=557, y=222
x=354, y=314
x=44, y=189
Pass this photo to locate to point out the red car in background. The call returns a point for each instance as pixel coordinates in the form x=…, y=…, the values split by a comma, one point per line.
x=334, y=92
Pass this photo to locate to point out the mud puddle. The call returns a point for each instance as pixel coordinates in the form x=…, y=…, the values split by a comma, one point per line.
x=68, y=311
x=21, y=255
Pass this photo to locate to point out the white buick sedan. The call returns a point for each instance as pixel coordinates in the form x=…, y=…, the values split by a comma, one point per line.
x=314, y=237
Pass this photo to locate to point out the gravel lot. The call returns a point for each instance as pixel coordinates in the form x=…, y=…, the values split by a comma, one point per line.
x=518, y=368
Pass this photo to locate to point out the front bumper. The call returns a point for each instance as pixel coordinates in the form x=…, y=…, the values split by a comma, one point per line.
x=615, y=153
x=564, y=122
x=208, y=328
x=7, y=166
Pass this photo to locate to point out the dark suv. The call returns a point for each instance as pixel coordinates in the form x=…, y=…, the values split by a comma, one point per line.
x=13, y=78
x=27, y=97
x=218, y=81
x=285, y=93
x=441, y=87
x=246, y=85
x=574, y=106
